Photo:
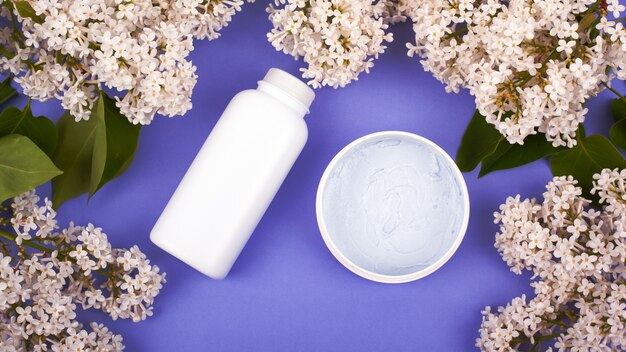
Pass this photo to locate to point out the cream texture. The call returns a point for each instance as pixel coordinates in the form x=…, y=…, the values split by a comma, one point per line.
x=393, y=205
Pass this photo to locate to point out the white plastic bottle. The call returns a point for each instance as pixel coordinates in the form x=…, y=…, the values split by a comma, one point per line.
x=236, y=174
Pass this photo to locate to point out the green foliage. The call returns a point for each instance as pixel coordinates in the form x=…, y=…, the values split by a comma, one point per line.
x=115, y=146
x=26, y=142
x=589, y=156
x=618, y=109
x=508, y=156
x=483, y=143
x=23, y=166
x=40, y=129
x=27, y=11
x=618, y=133
x=92, y=152
x=618, y=130
x=73, y=155
x=6, y=91
x=479, y=141
x=79, y=157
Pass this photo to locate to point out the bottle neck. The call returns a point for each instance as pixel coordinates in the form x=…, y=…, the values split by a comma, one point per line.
x=284, y=97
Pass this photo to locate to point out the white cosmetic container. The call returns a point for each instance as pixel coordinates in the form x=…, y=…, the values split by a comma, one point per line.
x=392, y=207
x=236, y=174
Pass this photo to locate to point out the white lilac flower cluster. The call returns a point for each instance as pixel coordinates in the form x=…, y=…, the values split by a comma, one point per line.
x=337, y=39
x=530, y=64
x=578, y=257
x=69, y=49
x=51, y=272
x=201, y=18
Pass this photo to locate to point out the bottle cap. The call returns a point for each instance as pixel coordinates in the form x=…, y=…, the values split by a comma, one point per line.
x=290, y=85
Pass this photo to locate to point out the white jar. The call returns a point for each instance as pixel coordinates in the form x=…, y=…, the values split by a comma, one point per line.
x=236, y=174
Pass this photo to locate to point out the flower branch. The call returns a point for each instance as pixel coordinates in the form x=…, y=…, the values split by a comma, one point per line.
x=41, y=288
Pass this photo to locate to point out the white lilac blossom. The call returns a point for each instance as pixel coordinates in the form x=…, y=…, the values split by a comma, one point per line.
x=202, y=18
x=530, y=64
x=578, y=257
x=69, y=50
x=337, y=39
x=48, y=273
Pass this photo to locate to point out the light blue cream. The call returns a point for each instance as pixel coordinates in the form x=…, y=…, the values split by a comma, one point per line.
x=393, y=205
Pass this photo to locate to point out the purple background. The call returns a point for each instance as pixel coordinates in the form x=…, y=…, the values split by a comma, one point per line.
x=287, y=292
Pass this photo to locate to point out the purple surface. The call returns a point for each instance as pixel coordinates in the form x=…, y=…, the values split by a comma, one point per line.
x=287, y=292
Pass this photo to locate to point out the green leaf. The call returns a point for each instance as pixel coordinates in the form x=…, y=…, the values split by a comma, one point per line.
x=27, y=11
x=92, y=152
x=74, y=156
x=99, y=154
x=115, y=149
x=589, y=156
x=40, y=129
x=508, y=156
x=6, y=91
x=479, y=140
x=23, y=166
x=586, y=21
x=618, y=133
x=618, y=130
x=618, y=109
